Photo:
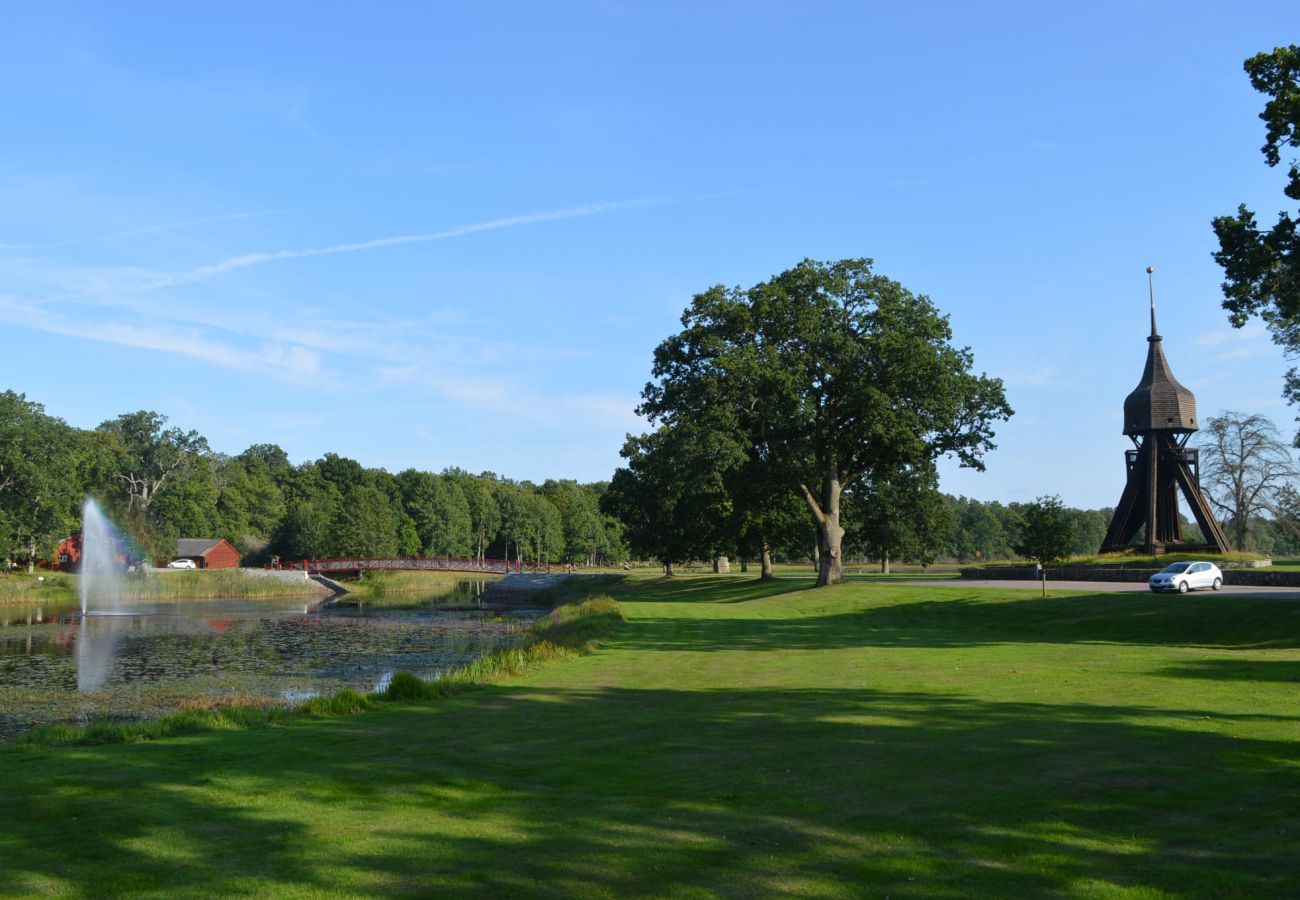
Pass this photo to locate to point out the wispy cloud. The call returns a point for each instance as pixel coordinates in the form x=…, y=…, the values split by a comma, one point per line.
x=87, y=302
x=516, y=398
x=1252, y=331
x=187, y=223
x=120, y=305
x=273, y=358
x=1041, y=375
x=246, y=260
x=136, y=232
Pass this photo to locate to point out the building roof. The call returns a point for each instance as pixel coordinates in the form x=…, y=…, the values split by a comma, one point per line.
x=1159, y=402
x=196, y=546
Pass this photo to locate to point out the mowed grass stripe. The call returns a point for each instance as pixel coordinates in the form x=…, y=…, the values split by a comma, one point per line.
x=740, y=738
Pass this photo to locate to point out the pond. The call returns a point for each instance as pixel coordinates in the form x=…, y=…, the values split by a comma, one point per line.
x=159, y=657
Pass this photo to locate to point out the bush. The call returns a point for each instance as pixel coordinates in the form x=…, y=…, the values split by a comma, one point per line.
x=406, y=687
x=344, y=703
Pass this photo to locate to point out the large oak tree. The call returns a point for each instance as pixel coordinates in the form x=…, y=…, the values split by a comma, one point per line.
x=828, y=373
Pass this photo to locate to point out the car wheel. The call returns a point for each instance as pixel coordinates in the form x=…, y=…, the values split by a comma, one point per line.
x=1218, y=583
x=1182, y=587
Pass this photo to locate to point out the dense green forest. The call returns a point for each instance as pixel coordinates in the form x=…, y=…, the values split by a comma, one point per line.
x=160, y=483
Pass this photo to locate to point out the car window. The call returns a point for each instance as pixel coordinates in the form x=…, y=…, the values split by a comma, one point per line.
x=1176, y=568
x=1200, y=567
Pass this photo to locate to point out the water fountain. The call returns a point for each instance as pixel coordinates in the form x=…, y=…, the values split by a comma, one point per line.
x=101, y=573
x=100, y=589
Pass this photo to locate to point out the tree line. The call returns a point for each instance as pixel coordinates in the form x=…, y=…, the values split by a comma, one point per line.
x=685, y=494
x=161, y=483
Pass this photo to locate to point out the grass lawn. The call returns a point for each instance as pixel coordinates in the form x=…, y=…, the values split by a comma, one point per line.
x=743, y=739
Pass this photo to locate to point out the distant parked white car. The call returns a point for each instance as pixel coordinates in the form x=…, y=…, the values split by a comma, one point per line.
x=182, y=564
x=1187, y=576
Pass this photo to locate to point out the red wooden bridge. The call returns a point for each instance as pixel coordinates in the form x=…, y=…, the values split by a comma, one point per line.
x=351, y=565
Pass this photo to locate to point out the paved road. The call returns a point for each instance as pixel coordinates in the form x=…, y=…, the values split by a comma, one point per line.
x=1238, y=590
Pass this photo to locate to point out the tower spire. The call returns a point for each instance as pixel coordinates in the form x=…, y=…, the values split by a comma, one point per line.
x=1159, y=415
x=1151, y=289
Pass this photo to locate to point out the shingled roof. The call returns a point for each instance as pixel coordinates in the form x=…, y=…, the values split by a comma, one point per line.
x=1159, y=402
x=195, y=547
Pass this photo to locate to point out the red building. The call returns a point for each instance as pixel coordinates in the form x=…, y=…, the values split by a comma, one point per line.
x=208, y=553
x=68, y=557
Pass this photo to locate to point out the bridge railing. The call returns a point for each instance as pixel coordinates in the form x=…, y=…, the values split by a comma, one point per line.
x=348, y=564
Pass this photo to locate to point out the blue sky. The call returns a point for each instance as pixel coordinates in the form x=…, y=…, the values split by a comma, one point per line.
x=430, y=235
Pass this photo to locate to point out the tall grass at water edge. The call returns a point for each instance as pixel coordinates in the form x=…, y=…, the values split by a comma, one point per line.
x=45, y=587
x=208, y=584
x=378, y=585
x=202, y=584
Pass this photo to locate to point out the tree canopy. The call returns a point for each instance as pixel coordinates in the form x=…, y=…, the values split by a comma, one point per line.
x=1262, y=266
x=1046, y=533
x=827, y=374
x=1245, y=468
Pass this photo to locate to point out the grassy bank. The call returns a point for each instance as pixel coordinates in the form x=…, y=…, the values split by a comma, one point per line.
x=198, y=584
x=43, y=587
x=377, y=585
x=744, y=739
x=203, y=584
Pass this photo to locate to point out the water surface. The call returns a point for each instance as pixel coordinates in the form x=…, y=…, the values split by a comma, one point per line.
x=157, y=657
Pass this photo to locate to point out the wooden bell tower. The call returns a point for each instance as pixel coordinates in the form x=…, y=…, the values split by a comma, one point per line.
x=1159, y=417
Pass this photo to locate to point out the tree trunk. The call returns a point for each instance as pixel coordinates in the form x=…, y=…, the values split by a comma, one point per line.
x=744, y=564
x=767, y=563
x=884, y=561
x=668, y=569
x=825, y=512
x=31, y=557
x=817, y=557
x=832, y=566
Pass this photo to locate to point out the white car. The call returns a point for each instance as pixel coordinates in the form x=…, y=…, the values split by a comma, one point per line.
x=182, y=564
x=1187, y=576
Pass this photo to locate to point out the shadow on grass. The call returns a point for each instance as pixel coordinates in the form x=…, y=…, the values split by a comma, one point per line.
x=559, y=792
x=894, y=617
x=1237, y=670
x=710, y=589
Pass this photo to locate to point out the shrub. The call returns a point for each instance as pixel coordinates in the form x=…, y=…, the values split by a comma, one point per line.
x=344, y=703
x=406, y=687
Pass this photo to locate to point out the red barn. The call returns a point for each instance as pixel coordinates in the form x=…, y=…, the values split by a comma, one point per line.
x=208, y=553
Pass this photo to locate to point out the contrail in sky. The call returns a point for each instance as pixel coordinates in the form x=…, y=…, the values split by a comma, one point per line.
x=256, y=259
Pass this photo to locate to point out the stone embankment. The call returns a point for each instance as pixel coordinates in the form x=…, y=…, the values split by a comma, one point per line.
x=1256, y=577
